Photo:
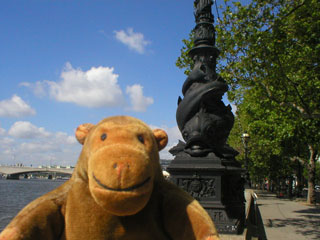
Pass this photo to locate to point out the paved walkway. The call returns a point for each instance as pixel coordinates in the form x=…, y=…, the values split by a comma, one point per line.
x=288, y=219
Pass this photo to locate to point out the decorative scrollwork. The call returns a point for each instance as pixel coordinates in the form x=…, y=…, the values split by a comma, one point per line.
x=198, y=188
x=218, y=216
x=204, y=32
x=203, y=10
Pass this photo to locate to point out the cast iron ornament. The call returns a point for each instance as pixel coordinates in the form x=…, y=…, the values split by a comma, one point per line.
x=203, y=119
x=204, y=165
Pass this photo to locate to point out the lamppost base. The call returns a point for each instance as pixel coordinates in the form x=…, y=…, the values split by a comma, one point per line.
x=218, y=186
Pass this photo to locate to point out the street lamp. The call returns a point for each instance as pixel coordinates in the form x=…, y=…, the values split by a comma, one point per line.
x=245, y=139
x=204, y=165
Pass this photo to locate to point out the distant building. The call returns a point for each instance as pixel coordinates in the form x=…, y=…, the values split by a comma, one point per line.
x=59, y=166
x=164, y=163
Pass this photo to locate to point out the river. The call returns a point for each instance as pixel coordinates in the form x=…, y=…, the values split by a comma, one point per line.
x=15, y=194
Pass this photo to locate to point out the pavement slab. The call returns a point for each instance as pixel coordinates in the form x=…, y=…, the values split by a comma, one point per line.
x=288, y=219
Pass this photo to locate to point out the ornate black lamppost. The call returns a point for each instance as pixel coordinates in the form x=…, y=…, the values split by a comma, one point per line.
x=204, y=165
x=245, y=139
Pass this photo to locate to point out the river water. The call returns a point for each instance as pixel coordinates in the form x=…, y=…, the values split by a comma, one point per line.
x=15, y=194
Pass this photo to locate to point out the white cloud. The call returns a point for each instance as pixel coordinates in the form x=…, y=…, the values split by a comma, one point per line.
x=37, y=147
x=97, y=87
x=138, y=101
x=65, y=139
x=134, y=41
x=38, y=88
x=6, y=141
x=27, y=130
x=2, y=131
x=15, y=107
x=29, y=144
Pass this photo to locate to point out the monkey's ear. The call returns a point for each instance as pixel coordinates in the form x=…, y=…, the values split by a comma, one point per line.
x=82, y=132
x=161, y=138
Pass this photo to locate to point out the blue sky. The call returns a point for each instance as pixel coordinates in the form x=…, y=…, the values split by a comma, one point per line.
x=67, y=62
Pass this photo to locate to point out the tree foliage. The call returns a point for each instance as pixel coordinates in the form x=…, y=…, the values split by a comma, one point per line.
x=184, y=61
x=270, y=54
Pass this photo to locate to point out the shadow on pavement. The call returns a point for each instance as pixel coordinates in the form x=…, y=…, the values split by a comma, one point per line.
x=306, y=223
x=267, y=204
x=310, y=210
x=313, y=229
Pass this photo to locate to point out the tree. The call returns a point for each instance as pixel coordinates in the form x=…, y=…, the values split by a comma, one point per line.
x=270, y=134
x=270, y=52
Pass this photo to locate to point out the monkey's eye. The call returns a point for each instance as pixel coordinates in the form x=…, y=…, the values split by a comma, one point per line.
x=103, y=136
x=141, y=139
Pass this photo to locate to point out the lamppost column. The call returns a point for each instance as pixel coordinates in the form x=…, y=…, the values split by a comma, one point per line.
x=204, y=164
x=245, y=139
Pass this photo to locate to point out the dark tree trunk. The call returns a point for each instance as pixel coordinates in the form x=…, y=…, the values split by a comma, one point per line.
x=311, y=176
x=299, y=180
x=290, y=187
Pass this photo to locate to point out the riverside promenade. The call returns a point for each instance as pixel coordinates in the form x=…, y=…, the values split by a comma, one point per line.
x=288, y=219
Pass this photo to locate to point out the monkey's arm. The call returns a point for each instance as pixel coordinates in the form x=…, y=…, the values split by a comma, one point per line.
x=184, y=217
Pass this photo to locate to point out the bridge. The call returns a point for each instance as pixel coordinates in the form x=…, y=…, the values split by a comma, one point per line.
x=11, y=172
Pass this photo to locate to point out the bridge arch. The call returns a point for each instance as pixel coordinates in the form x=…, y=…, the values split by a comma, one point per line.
x=15, y=172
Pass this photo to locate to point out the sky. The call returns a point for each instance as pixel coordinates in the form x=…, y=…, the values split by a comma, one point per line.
x=66, y=62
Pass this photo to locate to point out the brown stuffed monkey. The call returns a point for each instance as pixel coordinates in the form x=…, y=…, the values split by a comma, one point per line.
x=117, y=191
